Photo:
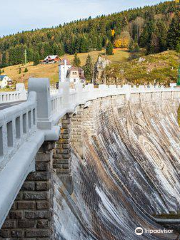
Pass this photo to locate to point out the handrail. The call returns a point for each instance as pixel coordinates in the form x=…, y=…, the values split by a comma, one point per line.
x=16, y=125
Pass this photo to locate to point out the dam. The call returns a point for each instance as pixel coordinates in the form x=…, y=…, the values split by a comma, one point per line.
x=114, y=168
x=127, y=171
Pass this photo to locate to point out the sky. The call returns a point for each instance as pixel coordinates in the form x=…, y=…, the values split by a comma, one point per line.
x=22, y=15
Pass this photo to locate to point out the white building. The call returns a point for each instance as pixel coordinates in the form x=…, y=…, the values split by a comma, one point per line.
x=4, y=81
x=68, y=73
x=64, y=66
x=75, y=75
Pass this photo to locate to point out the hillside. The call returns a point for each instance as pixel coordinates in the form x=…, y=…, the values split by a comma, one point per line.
x=155, y=68
x=160, y=68
x=155, y=28
x=51, y=70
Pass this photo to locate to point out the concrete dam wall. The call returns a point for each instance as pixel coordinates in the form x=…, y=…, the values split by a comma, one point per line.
x=114, y=169
x=125, y=169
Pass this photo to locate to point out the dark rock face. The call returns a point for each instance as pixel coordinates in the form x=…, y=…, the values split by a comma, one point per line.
x=129, y=171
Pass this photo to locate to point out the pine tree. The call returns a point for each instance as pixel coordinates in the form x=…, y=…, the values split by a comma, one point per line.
x=109, y=49
x=88, y=69
x=178, y=47
x=131, y=46
x=174, y=32
x=76, y=61
x=99, y=44
x=36, y=59
x=84, y=47
x=25, y=70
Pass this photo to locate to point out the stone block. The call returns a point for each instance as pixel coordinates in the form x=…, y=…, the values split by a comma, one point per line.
x=65, y=136
x=65, y=126
x=9, y=224
x=37, y=215
x=43, y=157
x=66, y=156
x=4, y=233
x=65, y=166
x=28, y=186
x=57, y=156
x=66, y=151
x=39, y=176
x=42, y=205
x=15, y=215
x=35, y=196
x=38, y=233
x=26, y=223
x=62, y=141
x=14, y=206
x=26, y=205
x=42, y=166
x=66, y=146
x=19, y=196
x=17, y=234
x=42, y=223
x=42, y=186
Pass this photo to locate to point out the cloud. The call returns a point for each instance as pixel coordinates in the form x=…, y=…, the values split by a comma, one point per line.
x=21, y=15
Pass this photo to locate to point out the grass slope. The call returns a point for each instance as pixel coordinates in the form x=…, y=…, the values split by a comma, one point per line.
x=160, y=68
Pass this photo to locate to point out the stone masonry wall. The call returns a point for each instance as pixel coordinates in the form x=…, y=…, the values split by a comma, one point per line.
x=62, y=154
x=82, y=122
x=31, y=214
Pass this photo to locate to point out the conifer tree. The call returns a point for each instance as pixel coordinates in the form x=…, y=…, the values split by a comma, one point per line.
x=36, y=59
x=174, y=32
x=109, y=49
x=76, y=61
x=178, y=47
x=88, y=69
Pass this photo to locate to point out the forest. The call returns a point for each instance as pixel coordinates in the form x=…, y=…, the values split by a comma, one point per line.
x=155, y=28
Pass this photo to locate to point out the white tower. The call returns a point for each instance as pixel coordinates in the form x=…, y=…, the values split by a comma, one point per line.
x=63, y=68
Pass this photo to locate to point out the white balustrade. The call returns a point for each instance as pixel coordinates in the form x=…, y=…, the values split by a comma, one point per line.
x=16, y=125
x=19, y=95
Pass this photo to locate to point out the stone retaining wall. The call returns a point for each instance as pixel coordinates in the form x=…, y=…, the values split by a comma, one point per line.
x=31, y=214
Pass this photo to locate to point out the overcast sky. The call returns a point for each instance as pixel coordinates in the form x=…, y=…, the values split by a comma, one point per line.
x=19, y=15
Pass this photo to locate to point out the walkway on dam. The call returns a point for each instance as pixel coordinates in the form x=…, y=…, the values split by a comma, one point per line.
x=11, y=104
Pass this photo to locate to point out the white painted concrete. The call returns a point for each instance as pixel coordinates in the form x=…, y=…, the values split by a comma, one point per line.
x=19, y=95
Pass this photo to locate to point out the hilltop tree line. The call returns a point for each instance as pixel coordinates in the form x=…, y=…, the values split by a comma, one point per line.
x=155, y=28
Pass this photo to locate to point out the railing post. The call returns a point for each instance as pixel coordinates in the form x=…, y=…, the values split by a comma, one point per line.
x=79, y=88
x=21, y=88
x=42, y=87
x=65, y=88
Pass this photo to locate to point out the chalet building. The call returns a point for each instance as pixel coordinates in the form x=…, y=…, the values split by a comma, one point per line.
x=69, y=73
x=5, y=81
x=75, y=75
x=51, y=59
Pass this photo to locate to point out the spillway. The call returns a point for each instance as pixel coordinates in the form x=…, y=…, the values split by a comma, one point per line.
x=125, y=170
